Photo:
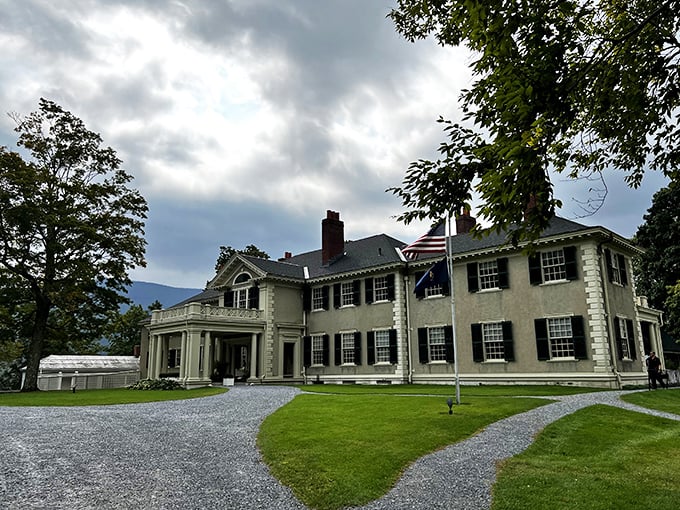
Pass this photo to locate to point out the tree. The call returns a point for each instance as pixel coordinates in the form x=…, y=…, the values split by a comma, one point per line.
x=124, y=330
x=70, y=227
x=575, y=86
x=658, y=270
x=226, y=252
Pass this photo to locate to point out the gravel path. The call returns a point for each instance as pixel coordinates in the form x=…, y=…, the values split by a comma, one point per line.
x=201, y=453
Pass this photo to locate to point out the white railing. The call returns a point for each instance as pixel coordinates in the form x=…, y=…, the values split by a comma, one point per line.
x=197, y=311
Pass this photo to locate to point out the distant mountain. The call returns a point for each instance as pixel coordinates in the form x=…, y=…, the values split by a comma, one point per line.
x=145, y=293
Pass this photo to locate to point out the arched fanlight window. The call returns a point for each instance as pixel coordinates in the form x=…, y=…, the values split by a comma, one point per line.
x=241, y=278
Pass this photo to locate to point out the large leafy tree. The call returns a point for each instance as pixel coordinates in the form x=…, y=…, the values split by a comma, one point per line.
x=658, y=270
x=226, y=252
x=573, y=86
x=70, y=228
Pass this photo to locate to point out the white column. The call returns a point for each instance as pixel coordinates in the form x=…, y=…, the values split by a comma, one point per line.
x=193, y=348
x=207, y=366
x=151, y=356
x=184, y=357
x=158, y=357
x=253, y=356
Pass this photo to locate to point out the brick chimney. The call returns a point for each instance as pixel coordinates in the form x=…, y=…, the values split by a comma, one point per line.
x=332, y=236
x=465, y=222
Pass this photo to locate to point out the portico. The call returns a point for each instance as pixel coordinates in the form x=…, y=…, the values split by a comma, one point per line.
x=197, y=341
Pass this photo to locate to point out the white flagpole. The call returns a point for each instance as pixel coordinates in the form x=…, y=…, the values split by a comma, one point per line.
x=449, y=265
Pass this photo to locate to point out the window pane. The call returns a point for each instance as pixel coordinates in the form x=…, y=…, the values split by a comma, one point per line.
x=317, y=298
x=554, y=267
x=488, y=275
x=493, y=341
x=348, y=348
x=380, y=288
x=561, y=338
x=382, y=346
x=347, y=294
x=436, y=344
x=317, y=350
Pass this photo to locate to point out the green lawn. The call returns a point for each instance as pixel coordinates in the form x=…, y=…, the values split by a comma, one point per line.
x=343, y=450
x=101, y=397
x=600, y=457
x=661, y=400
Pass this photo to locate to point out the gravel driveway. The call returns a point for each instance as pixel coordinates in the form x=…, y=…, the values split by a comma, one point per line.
x=200, y=453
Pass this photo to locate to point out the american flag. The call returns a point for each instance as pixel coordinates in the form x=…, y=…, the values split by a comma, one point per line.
x=432, y=242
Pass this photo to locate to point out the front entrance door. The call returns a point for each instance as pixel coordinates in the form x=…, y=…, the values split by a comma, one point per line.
x=288, y=359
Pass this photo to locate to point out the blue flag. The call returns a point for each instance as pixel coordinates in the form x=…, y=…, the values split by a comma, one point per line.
x=436, y=275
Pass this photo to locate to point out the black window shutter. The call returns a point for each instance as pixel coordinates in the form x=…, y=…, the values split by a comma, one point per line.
x=535, y=271
x=357, y=347
x=338, y=349
x=423, y=356
x=307, y=298
x=326, y=349
x=508, y=342
x=229, y=299
x=368, y=290
x=578, y=337
x=503, y=279
x=171, y=358
x=542, y=344
x=254, y=298
x=622, y=270
x=608, y=262
x=570, y=262
x=631, y=339
x=420, y=294
x=473, y=280
x=356, y=297
x=394, y=358
x=477, y=342
x=619, y=340
x=324, y=297
x=390, y=287
x=336, y=295
x=448, y=343
x=307, y=350
x=370, y=348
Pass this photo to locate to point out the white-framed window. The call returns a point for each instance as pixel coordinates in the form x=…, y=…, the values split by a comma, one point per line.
x=560, y=337
x=347, y=348
x=347, y=293
x=241, y=298
x=488, y=275
x=317, y=298
x=380, y=289
x=492, y=337
x=317, y=349
x=382, y=346
x=554, y=266
x=436, y=343
x=624, y=344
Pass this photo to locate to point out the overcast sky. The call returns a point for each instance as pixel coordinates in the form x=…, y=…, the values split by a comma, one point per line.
x=244, y=121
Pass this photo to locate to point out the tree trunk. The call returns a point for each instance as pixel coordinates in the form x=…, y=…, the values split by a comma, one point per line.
x=42, y=313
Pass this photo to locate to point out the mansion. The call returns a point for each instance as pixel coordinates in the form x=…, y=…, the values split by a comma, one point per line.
x=566, y=313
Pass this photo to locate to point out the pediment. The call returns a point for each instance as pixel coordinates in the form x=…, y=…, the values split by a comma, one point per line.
x=237, y=271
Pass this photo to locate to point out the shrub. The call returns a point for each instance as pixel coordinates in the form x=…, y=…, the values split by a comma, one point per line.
x=156, y=384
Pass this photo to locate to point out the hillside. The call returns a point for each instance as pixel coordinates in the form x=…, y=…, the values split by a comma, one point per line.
x=145, y=293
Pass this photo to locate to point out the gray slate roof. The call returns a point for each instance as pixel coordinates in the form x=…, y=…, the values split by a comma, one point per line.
x=373, y=252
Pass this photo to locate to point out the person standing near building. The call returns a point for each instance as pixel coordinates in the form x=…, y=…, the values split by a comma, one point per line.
x=653, y=369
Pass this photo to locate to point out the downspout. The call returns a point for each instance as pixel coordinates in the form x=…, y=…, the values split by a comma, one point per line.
x=612, y=346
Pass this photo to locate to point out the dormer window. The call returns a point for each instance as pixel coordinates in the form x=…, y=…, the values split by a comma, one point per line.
x=241, y=278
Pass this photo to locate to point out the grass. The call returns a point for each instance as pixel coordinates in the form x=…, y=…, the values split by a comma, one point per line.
x=344, y=450
x=447, y=390
x=661, y=400
x=598, y=458
x=101, y=397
